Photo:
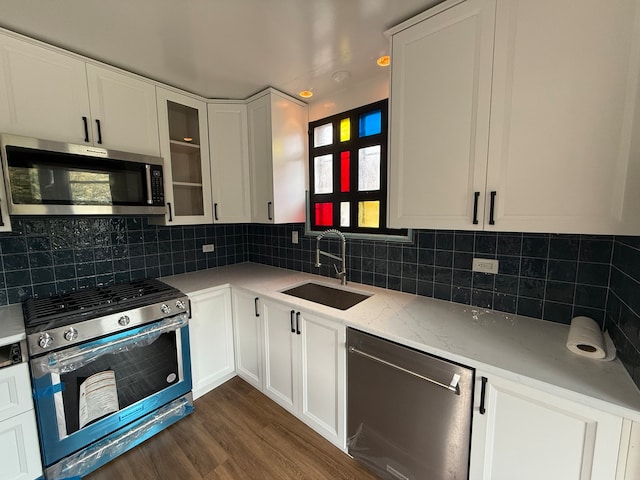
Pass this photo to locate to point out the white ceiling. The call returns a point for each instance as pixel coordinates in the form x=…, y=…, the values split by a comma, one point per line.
x=222, y=48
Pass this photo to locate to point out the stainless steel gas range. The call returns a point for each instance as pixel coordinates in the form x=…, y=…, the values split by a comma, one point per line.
x=110, y=368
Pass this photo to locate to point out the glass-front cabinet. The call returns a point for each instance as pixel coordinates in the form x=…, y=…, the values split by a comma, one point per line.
x=184, y=145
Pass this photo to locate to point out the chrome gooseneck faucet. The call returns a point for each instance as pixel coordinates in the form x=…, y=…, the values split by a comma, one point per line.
x=342, y=273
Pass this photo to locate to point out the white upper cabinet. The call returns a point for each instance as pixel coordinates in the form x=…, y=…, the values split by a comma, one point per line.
x=124, y=112
x=439, y=121
x=278, y=140
x=50, y=95
x=43, y=93
x=541, y=97
x=229, y=149
x=565, y=83
x=184, y=145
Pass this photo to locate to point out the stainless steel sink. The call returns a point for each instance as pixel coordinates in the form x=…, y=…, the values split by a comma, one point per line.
x=325, y=295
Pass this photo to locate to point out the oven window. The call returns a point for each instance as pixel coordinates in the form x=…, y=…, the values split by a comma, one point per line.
x=139, y=373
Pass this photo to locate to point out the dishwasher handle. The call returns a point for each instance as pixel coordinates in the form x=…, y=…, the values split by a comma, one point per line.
x=452, y=387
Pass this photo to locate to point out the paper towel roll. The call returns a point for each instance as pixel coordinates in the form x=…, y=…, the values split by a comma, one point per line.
x=586, y=339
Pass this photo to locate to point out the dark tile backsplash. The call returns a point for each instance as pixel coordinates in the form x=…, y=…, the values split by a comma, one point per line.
x=623, y=307
x=554, y=277
x=48, y=255
x=548, y=276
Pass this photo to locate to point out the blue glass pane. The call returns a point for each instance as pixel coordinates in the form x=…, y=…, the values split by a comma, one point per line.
x=370, y=123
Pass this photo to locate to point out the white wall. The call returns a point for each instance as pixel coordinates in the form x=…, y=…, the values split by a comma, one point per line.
x=350, y=97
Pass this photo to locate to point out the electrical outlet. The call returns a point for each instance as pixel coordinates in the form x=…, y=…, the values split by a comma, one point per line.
x=207, y=248
x=485, y=265
x=294, y=237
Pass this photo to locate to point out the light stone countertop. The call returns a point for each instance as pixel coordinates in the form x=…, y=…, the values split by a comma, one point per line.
x=525, y=350
x=11, y=324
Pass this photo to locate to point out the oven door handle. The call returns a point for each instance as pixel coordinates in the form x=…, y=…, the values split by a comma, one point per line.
x=73, y=358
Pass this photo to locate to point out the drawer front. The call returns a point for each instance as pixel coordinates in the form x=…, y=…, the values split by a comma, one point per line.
x=15, y=391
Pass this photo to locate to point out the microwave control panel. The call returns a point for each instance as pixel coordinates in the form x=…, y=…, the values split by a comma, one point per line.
x=157, y=185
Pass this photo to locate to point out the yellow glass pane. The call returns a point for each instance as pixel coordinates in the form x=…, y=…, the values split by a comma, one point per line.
x=369, y=214
x=345, y=129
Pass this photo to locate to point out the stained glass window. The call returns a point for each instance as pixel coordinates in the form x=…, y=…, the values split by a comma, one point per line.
x=345, y=214
x=323, y=135
x=347, y=168
x=369, y=214
x=324, y=214
x=345, y=171
x=323, y=174
x=370, y=123
x=369, y=168
x=345, y=129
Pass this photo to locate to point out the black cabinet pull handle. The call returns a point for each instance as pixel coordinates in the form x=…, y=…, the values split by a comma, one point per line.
x=255, y=304
x=298, y=323
x=293, y=330
x=170, y=215
x=476, y=196
x=492, y=208
x=483, y=391
x=99, y=132
x=1, y=220
x=86, y=129
x=215, y=211
x=269, y=210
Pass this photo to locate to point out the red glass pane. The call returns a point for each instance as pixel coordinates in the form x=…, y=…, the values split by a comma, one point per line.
x=345, y=170
x=324, y=214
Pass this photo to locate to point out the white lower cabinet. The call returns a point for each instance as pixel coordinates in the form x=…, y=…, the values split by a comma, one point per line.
x=304, y=367
x=211, y=338
x=527, y=434
x=19, y=446
x=247, y=328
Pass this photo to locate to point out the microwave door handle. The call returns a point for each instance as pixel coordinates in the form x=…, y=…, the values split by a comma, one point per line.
x=147, y=171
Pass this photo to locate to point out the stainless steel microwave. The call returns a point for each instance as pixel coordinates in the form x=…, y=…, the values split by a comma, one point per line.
x=52, y=178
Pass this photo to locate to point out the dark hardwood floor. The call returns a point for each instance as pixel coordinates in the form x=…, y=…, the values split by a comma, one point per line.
x=235, y=433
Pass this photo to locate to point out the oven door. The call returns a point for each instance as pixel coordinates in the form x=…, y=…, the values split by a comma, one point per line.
x=88, y=391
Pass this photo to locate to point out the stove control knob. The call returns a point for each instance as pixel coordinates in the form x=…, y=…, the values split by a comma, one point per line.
x=180, y=305
x=45, y=340
x=166, y=309
x=124, y=320
x=71, y=334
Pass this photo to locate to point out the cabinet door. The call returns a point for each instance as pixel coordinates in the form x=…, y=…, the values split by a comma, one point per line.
x=439, y=121
x=123, y=110
x=289, y=127
x=15, y=391
x=19, y=451
x=230, y=182
x=211, y=339
x=184, y=145
x=280, y=355
x=260, y=158
x=43, y=93
x=323, y=377
x=529, y=435
x=247, y=327
x=564, y=93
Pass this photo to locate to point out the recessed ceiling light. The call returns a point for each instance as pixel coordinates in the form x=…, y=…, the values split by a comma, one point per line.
x=384, y=61
x=188, y=139
x=306, y=94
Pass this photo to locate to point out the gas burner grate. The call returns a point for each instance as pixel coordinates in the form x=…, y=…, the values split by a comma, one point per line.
x=91, y=303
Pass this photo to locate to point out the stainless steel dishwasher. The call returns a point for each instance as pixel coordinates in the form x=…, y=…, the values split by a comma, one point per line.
x=408, y=413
